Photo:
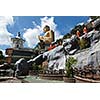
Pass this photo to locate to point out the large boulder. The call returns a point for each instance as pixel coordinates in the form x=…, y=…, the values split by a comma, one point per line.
x=88, y=56
x=93, y=59
x=21, y=68
x=97, y=22
x=56, y=58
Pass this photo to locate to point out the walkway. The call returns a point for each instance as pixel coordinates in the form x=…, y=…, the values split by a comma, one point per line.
x=34, y=79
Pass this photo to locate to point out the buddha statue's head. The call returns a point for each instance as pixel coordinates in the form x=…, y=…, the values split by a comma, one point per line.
x=46, y=28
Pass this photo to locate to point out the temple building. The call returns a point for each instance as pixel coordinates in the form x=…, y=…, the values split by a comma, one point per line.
x=18, y=50
x=17, y=42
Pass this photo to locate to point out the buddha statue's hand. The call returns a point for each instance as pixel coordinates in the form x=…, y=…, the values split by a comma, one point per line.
x=41, y=37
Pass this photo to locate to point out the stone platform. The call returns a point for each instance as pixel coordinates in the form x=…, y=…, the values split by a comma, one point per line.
x=51, y=77
x=85, y=80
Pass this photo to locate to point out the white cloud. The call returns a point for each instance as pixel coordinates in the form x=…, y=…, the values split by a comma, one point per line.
x=58, y=35
x=4, y=34
x=71, y=28
x=80, y=23
x=89, y=19
x=48, y=21
x=31, y=35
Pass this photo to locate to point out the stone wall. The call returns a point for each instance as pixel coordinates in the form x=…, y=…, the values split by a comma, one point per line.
x=88, y=56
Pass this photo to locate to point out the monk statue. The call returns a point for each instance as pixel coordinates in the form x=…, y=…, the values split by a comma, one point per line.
x=48, y=36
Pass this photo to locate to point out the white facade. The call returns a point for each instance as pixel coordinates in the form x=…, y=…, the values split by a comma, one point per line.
x=17, y=42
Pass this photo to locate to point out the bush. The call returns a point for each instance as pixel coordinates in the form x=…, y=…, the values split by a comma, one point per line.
x=83, y=43
x=69, y=68
x=36, y=67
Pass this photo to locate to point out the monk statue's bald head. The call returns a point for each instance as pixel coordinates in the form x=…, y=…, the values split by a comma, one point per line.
x=46, y=28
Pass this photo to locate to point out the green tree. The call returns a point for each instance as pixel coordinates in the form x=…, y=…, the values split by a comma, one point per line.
x=70, y=61
x=66, y=36
x=94, y=17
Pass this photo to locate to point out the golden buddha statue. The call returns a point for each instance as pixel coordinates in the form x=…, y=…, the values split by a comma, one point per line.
x=48, y=36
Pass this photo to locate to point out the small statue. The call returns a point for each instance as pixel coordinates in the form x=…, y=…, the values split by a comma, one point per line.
x=18, y=34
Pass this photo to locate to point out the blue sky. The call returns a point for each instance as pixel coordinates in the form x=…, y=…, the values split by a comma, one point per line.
x=64, y=23
x=31, y=26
